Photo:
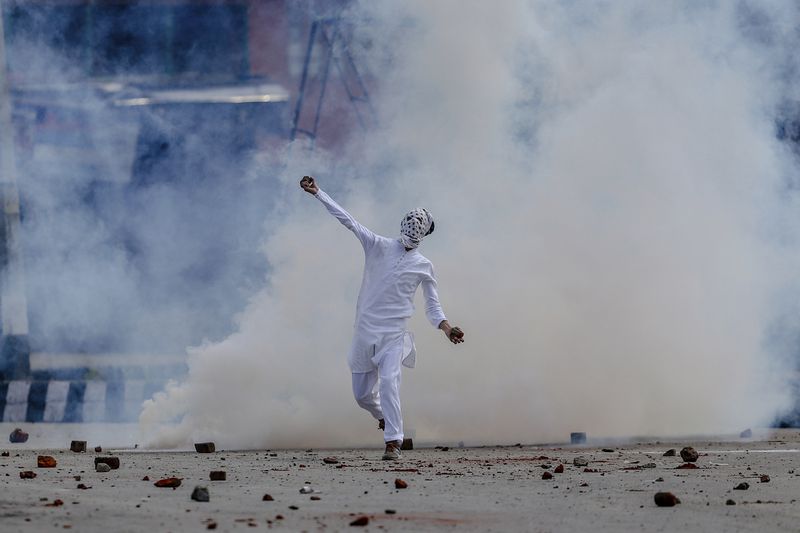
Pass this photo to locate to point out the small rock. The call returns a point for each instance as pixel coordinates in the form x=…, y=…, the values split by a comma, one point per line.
x=608, y=450
x=204, y=447
x=217, y=475
x=27, y=474
x=315, y=498
x=390, y=511
x=102, y=467
x=407, y=444
x=689, y=454
x=666, y=499
x=113, y=462
x=330, y=460
x=5, y=454
x=55, y=503
x=170, y=482
x=648, y=465
x=146, y=478
x=730, y=502
x=360, y=521
x=687, y=466
x=670, y=453
x=98, y=449
x=559, y=469
x=82, y=486
x=77, y=446
x=46, y=461
x=547, y=475
x=400, y=484
x=200, y=494
x=18, y=436
x=746, y=434
x=764, y=478
x=267, y=498
x=660, y=479
x=294, y=507
x=744, y=485
x=306, y=490
x=211, y=525
x=580, y=461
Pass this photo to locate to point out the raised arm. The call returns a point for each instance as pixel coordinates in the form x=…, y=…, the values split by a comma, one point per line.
x=364, y=235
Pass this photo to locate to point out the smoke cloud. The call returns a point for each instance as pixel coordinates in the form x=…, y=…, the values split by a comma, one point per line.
x=615, y=232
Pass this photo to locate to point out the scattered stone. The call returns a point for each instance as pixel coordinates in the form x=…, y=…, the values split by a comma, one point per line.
x=670, y=453
x=77, y=446
x=170, y=482
x=200, y=494
x=744, y=485
x=267, y=498
x=687, y=466
x=294, y=507
x=98, y=449
x=27, y=474
x=578, y=437
x=764, y=478
x=102, y=467
x=746, y=434
x=204, y=447
x=390, y=511
x=76, y=478
x=46, y=461
x=580, y=461
x=83, y=487
x=5, y=454
x=547, y=475
x=217, y=475
x=584, y=484
x=146, y=478
x=559, y=469
x=18, y=436
x=306, y=490
x=360, y=521
x=407, y=444
x=400, y=484
x=113, y=462
x=730, y=502
x=315, y=498
x=330, y=460
x=55, y=503
x=211, y=525
x=689, y=454
x=660, y=479
x=648, y=465
x=608, y=450
x=666, y=499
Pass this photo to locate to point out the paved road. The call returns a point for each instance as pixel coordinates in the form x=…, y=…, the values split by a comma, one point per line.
x=459, y=489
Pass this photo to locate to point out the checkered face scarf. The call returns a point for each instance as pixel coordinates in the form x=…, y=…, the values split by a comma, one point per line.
x=415, y=225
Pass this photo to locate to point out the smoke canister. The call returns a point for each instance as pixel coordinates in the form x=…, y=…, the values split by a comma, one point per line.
x=578, y=437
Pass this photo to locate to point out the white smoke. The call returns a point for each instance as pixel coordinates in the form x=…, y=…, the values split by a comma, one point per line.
x=614, y=232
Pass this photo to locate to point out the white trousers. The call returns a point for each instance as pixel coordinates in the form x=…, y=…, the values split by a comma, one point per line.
x=378, y=390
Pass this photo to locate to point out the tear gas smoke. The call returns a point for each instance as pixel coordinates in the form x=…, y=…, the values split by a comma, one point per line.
x=614, y=232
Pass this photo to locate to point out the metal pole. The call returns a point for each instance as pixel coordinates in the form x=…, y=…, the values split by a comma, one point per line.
x=14, y=359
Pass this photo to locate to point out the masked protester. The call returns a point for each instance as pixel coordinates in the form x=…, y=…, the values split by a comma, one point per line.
x=381, y=345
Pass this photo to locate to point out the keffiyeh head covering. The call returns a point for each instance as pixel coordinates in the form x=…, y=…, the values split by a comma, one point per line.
x=415, y=225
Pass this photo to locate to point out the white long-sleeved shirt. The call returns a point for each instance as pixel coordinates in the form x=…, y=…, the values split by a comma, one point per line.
x=391, y=277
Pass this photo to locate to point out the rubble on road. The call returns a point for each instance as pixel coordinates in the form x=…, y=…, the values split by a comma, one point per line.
x=18, y=436
x=27, y=474
x=580, y=461
x=169, y=482
x=689, y=454
x=217, y=475
x=200, y=494
x=205, y=447
x=77, y=446
x=102, y=467
x=46, y=461
x=666, y=499
x=400, y=484
x=112, y=462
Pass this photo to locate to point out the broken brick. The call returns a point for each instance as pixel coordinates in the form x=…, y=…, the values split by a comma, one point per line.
x=46, y=461
x=77, y=446
x=400, y=484
x=113, y=462
x=666, y=499
x=204, y=447
x=170, y=482
x=217, y=475
x=27, y=474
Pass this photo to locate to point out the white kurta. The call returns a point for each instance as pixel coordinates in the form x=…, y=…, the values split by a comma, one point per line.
x=386, y=299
